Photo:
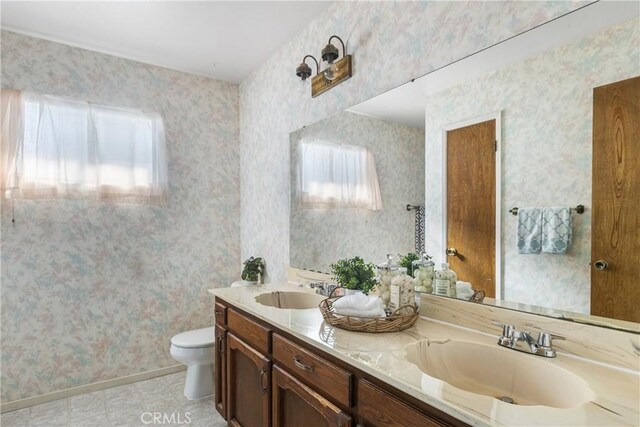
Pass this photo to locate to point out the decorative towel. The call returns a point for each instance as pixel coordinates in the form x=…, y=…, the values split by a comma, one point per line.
x=419, y=229
x=556, y=230
x=359, y=305
x=463, y=290
x=529, y=230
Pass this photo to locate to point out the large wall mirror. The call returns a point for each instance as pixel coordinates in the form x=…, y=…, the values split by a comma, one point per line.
x=540, y=130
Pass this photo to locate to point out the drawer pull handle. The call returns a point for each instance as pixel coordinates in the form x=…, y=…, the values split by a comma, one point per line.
x=220, y=345
x=263, y=371
x=218, y=313
x=301, y=365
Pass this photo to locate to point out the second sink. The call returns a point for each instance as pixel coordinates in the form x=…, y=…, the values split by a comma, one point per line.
x=291, y=300
x=499, y=373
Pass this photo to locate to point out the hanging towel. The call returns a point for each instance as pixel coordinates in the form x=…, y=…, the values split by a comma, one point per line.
x=556, y=230
x=529, y=230
x=419, y=229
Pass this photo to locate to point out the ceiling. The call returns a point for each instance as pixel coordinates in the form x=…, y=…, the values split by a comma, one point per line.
x=225, y=40
x=406, y=104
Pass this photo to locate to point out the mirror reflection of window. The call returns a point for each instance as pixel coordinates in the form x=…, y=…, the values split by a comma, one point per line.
x=337, y=176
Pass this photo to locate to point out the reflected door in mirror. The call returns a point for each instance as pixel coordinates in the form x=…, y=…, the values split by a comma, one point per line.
x=615, y=253
x=471, y=201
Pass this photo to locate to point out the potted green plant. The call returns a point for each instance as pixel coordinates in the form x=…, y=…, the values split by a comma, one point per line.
x=406, y=261
x=253, y=270
x=354, y=274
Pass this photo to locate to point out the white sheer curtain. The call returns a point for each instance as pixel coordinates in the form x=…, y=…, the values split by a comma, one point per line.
x=59, y=147
x=334, y=175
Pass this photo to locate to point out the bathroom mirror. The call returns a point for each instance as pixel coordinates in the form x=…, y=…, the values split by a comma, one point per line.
x=536, y=90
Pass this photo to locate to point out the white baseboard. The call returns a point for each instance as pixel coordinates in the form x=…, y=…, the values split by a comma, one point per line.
x=74, y=391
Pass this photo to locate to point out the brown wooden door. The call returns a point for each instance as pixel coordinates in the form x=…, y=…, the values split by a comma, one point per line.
x=295, y=404
x=615, y=232
x=220, y=368
x=248, y=385
x=471, y=201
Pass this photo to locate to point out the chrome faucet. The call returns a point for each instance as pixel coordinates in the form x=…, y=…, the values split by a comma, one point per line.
x=322, y=288
x=542, y=346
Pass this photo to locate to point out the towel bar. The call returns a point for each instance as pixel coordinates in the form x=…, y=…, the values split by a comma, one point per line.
x=579, y=209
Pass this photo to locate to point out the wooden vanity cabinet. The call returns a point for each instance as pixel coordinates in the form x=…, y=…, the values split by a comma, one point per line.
x=248, y=385
x=267, y=378
x=294, y=404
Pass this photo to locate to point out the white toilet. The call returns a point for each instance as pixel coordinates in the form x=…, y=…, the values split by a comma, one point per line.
x=196, y=350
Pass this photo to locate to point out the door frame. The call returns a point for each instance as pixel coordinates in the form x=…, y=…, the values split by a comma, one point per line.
x=497, y=116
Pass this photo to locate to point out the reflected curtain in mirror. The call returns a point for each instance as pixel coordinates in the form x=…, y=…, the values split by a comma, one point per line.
x=336, y=176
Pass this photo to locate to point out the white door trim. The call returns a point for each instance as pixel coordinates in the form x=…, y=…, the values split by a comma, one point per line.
x=497, y=116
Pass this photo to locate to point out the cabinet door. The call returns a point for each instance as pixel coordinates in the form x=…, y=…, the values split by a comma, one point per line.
x=376, y=407
x=248, y=385
x=220, y=371
x=295, y=404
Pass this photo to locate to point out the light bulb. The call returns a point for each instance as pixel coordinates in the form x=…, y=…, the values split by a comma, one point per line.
x=303, y=86
x=331, y=72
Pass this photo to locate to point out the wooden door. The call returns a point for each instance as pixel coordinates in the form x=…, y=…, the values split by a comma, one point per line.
x=248, y=385
x=615, y=231
x=219, y=371
x=295, y=404
x=471, y=204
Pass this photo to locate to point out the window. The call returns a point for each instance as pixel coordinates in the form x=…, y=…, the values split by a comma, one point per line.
x=332, y=175
x=57, y=147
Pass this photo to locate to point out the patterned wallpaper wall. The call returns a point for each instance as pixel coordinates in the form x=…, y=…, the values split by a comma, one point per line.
x=320, y=237
x=546, y=104
x=93, y=291
x=391, y=43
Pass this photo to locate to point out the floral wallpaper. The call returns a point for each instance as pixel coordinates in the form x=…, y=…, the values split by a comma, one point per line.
x=546, y=103
x=93, y=291
x=320, y=237
x=391, y=43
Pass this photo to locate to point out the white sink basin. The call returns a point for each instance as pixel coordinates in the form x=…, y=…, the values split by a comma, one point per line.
x=500, y=373
x=291, y=300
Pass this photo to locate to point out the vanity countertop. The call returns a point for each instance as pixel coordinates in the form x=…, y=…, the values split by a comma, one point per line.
x=617, y=391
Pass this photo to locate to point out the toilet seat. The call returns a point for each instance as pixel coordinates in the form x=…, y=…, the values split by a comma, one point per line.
x=198, y=338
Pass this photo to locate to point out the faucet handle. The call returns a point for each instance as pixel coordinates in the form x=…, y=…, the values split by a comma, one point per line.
x=507, y=330
x=545, y=339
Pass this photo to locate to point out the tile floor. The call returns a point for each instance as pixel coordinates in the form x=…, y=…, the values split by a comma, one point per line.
x=128, y=405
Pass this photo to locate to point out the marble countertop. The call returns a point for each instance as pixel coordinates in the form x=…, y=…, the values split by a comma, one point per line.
x=617, y=390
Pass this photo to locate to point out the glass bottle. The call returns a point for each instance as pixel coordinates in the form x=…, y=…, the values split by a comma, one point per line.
x=423, y=272
x=401, y=291
x=386, y=272
x=443, y=280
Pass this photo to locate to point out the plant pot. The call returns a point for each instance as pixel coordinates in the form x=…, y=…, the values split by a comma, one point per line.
x=352, y=291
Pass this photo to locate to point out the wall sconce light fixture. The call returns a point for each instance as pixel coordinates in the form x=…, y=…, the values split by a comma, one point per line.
x=335, y=70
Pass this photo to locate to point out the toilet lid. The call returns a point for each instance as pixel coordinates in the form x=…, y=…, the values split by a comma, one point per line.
x=197, y=338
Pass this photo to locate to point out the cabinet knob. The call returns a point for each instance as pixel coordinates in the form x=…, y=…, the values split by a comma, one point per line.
x=601, y=265
x=452, y=252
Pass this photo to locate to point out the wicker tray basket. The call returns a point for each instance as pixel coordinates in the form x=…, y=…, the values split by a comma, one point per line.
x=403, y=318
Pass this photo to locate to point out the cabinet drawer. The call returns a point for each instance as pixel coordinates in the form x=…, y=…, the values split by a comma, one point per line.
x=220, y=313
x=379, y=408
x=318, y=373
x=249, y=331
